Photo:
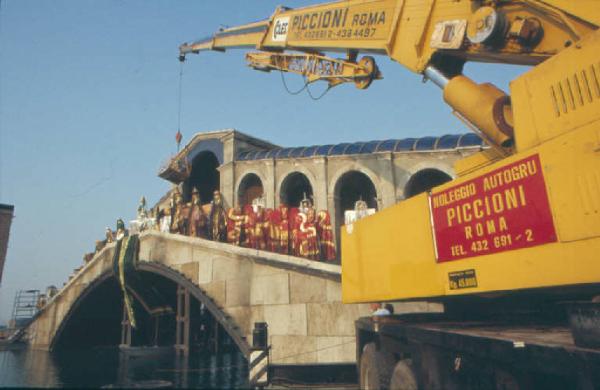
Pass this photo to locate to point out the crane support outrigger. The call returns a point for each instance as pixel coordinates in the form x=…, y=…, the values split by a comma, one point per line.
x=516, y=232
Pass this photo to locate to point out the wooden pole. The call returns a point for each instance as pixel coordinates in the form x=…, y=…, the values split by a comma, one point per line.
x=216, y=340
x=156, y=324
x=182, y=324
x=186, y=323
x=125, y=330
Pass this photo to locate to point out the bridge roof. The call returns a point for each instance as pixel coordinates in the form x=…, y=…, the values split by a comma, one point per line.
x=423, y=144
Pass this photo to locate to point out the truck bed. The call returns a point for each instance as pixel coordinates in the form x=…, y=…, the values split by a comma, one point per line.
x=547, y=349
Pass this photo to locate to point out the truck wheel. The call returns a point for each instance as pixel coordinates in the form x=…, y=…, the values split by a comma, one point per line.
x=375, y=368
x=403, y=377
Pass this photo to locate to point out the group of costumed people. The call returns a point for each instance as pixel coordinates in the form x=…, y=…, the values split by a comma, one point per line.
x=298, y=231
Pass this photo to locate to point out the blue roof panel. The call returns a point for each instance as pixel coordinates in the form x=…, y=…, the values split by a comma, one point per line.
x=386, y=146
x=369, y=147
x=448, y=141
x=250, y=155
x=338, y=149
x=272, y=153
x=323, y=150
x=470, y=139
x=354, y=148
x=405, y=145
x=297, y=152
x=284, y=153
x=426, y=143
x=243, y=156
x=260, y=155
x=445, y=142
x=310, y=151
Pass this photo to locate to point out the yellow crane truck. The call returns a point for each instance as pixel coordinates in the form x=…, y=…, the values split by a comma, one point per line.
x=512, y=245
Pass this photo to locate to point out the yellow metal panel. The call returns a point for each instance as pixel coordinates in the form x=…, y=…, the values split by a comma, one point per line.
x=338, y=26
x=475, y=161
x=409, y=41
x=245, y=40
x=412, y=43
x=390, y=256
x=559, y=95
x=584, y=9
x=572, y=164
x=523, y=115
x=551, y=265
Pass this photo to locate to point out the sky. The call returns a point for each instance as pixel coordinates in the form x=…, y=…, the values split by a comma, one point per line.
x=89, y=110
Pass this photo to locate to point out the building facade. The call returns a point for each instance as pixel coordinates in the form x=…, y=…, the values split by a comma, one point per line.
x=381, y=173
x=6, y=216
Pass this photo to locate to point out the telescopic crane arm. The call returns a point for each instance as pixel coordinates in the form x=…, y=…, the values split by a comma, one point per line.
x=430, y=37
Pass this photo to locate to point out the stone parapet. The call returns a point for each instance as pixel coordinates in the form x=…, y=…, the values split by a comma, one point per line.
x=299, y=299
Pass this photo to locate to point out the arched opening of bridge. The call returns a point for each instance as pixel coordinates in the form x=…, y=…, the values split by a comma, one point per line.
x=204, y=176
x=351, y=187
x=425, y=180
x=97, y=319
x=251, y=187
x=94, y=320
x=293, y=189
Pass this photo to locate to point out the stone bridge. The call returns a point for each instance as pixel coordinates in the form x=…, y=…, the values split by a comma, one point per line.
x=299, y=299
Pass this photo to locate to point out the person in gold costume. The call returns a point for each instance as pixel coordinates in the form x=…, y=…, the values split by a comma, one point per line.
x=178, y=217
x=309, y=241
x=236, y=221
x=217, y=221
x=197, y=220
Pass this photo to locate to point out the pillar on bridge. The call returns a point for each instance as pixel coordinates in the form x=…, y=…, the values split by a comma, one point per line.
x=182, y=325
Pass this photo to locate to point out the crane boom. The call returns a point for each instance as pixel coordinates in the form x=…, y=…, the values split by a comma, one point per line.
x=413, y=32
x=434, y=38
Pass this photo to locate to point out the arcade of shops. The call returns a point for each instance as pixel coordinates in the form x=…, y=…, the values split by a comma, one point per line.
x=334, y=177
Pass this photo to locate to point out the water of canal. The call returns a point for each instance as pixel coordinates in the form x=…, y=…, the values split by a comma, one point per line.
x=108, y=367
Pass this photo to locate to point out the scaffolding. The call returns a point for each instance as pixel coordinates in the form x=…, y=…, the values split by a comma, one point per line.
x=25, y=307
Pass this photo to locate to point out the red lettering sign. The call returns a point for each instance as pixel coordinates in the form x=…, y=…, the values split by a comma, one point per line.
x=502, y=210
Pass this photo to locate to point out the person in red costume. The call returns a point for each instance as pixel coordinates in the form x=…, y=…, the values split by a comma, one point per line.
x=274, y=217
x=279, y=229
x=248, y=225
x=325, y=233
x=294, y=224
x=266, y=228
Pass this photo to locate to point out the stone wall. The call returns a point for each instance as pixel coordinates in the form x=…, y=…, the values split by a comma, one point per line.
x=42, y=331
x=389, y=173
x=299, y=299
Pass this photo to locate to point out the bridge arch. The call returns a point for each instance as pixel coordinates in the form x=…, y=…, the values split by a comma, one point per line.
x=294, y=186
x=204, y=176
x=249, y=187
x=224, y=320
x=424, y=180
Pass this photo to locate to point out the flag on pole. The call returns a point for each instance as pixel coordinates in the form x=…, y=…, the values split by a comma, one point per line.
x=178, y=138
